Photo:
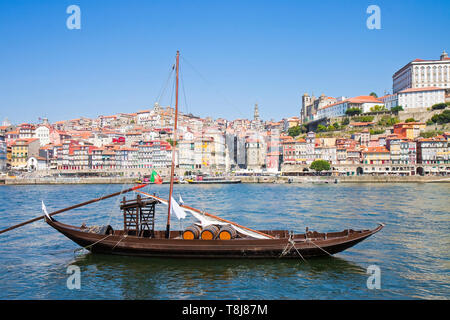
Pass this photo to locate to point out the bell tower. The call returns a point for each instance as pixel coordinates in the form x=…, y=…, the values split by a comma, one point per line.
x=256, y=113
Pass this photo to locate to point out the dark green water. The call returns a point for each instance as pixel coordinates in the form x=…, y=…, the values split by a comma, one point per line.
x=412, y=251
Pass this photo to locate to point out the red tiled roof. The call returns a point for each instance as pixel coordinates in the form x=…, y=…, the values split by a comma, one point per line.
x=27, y=141
x=364, y=99
x=358, y=99
x=376, y=150
x=421, y=89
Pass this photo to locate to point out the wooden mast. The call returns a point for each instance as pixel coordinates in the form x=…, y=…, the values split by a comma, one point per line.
x=172, y=169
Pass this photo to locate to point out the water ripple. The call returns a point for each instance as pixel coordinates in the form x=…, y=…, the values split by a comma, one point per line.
x=412, y=251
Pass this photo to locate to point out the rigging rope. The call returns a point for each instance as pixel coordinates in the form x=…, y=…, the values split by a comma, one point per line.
x=292, y=243
x=90, y=245
x=163, y=89
x=123, y=237
x=184, y=93
x=212, y=86
x=116, y=204
x=308, y=240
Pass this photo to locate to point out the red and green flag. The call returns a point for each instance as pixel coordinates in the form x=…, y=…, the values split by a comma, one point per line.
x=155, y=178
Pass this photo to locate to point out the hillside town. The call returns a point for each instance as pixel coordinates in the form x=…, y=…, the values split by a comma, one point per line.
x=402, y=133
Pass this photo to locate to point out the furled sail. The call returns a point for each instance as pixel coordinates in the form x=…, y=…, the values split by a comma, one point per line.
x=206, y=220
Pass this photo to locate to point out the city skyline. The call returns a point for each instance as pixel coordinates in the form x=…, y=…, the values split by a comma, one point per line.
x=120, y=58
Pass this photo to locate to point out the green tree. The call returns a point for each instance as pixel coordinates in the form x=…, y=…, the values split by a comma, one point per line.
x=410, y=120
x=376, y=131
x=378, y=108
x=373, y=94
x=441, y=118
x=387, y=121
x=321, y=128
x=439, y=106
x=397, y=109
x=352, y=111
x=345, y=122
x=320, y=165
x=364, y=118
x=430, y=134
x=294, y=131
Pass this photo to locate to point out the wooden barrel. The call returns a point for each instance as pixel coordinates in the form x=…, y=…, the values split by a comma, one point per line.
x=227, y=233
x=210, y=232
x=192, y=232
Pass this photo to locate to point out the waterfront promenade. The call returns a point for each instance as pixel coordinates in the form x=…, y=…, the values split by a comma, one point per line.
x=244, y=179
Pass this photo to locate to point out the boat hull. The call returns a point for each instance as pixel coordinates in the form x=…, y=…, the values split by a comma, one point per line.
x=298, y=246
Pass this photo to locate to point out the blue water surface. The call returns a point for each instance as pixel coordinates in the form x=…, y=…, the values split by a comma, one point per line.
x=412, y=251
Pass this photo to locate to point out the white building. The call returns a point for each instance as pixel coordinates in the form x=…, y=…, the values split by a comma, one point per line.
x=36, y=164
x=218, y=147
x=420, y=97
x=186, y=154
x=423, y=73
x=326, y=153
x=338, y=109
x=43, y=134
x=310, y=147
x=390, y=101
x=143, y=117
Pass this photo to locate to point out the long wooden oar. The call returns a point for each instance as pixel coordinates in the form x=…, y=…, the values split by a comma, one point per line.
x=210, y=215
x=74, y=207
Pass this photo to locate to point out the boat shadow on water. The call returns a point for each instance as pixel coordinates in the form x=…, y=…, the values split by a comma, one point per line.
x=216, y=269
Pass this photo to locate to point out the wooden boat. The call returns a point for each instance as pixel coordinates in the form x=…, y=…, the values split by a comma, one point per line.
x=211, y=237
x=138, y=238
x=283, y=244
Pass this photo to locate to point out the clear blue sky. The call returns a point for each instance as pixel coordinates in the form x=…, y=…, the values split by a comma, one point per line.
x=270, y=52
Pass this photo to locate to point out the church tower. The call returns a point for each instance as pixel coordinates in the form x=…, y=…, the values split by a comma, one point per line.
x=256, y=113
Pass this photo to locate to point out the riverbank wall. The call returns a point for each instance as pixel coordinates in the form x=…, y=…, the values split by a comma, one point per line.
x=245, y=179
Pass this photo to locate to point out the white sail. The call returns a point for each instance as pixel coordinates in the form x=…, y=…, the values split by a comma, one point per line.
x=44, y=209
x=179, y=211
x=207, y=220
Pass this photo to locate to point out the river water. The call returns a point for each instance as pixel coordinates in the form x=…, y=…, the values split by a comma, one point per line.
x=412, y=252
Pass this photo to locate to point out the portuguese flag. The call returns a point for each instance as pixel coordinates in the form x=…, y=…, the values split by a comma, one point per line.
x=155, y=178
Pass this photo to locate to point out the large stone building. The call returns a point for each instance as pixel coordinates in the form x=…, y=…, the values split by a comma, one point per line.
x=256, y=152
x=311, y=104
x=423, y=73
x=414, y=98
